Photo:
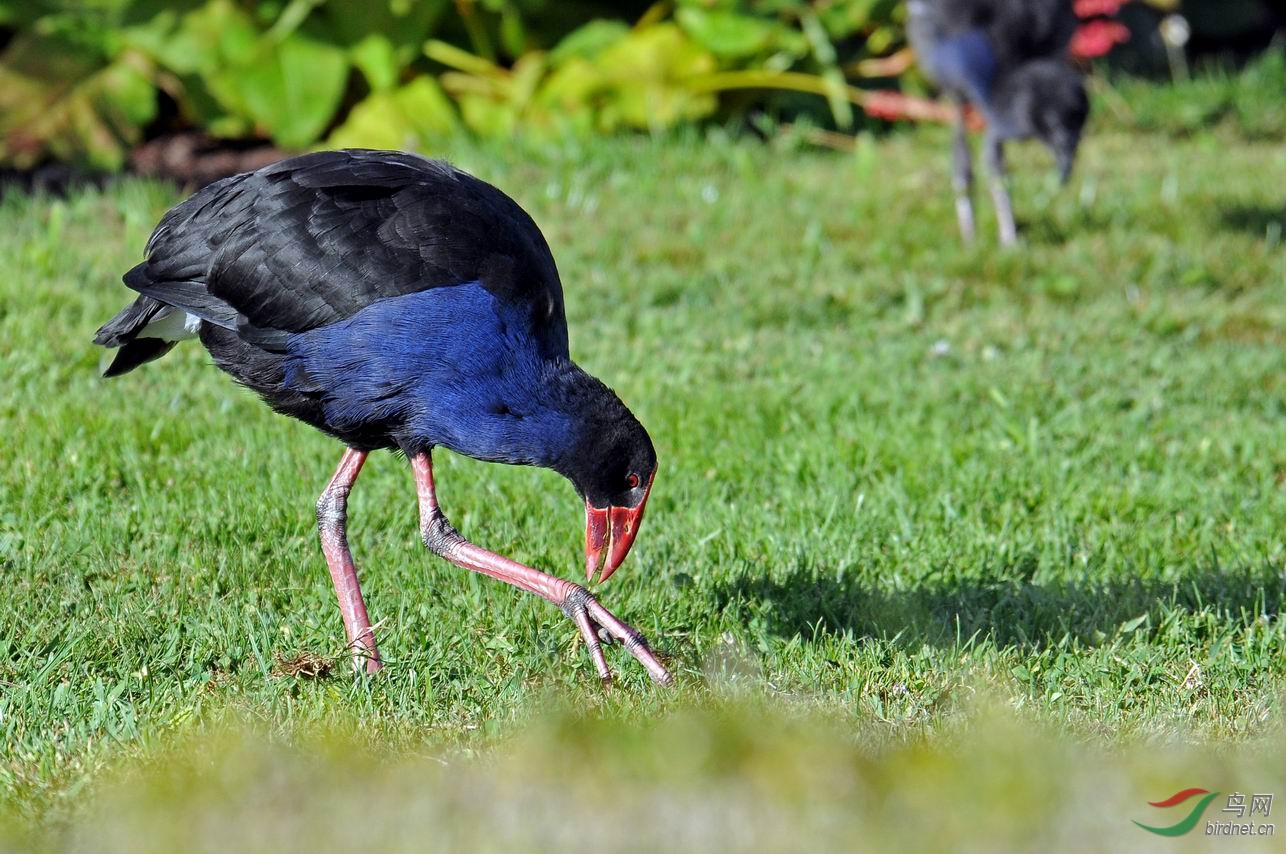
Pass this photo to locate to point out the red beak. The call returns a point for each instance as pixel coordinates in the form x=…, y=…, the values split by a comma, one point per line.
x=610, y=532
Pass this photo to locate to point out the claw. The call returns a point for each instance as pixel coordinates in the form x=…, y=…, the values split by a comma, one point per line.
x=598, y=625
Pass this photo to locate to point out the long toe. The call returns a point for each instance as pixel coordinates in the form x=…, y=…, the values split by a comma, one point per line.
x=590, y=634
x=633, y=641
x=595, y=622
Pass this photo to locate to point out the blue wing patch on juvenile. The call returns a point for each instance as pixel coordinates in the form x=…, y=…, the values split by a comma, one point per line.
x=964, y=62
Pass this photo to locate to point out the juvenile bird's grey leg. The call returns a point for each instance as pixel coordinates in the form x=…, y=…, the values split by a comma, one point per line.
x=999, y=192
x=572, y=599
x=962, y=176
x=332, y=522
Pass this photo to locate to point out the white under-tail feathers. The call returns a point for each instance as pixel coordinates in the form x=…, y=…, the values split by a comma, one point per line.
x=171, y=324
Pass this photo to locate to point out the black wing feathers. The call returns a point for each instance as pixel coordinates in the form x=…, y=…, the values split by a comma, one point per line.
x=192, y=297
x=1018, y=30
x=135, y=353
x=122, y=332
x=128, y=321
x=1033, y=29
x=314, y=239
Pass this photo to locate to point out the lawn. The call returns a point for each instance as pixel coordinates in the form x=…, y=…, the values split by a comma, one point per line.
x=969, y=547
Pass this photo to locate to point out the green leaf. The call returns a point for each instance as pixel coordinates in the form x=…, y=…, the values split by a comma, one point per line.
x=487, y=116
x=571, y=88
x=291, y=90
x=404, y=118
x=837, y=98
x=58, y=101
x=200, y=42
x=525, y=77
x=453, y=57
x=378, y=61
x=647, y=74
x=818, y=39
x=832, y=76
x=405, y=25
x=513, y=33
x=588, y=41
x=727, y=34
x=289, y=19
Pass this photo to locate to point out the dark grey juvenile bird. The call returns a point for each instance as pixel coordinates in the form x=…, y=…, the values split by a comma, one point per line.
x=1008, y=58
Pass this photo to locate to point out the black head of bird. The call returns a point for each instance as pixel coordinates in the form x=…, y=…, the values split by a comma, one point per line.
x=612, y=468
x=1046, y=100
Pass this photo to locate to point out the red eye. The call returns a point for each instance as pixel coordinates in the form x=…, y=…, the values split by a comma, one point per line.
x=632, y=481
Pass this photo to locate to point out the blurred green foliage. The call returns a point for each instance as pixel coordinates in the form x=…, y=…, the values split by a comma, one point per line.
x=754, y=774
x=84, y=80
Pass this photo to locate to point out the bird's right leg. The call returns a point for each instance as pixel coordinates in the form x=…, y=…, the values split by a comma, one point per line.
x=572, y=599
x=332, y=524
x=999, y=192
x=962, y=175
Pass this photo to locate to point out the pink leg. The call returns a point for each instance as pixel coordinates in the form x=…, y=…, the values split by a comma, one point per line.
x=574, y=600
x=332, y=522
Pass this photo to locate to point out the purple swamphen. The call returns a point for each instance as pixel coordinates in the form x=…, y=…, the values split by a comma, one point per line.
x=1009, y=58
x=397, y=302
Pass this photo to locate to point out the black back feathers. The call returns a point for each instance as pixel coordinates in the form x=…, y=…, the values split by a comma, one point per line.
x=314, y=239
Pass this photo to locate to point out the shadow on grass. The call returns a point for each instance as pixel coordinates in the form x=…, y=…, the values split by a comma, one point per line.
x=1007, y=607
x=1256, y=220
x=1044, y=228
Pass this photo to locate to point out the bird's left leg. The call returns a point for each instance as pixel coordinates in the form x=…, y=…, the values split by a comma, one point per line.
x=999, y=191
x=962, y=174
x=572, y=599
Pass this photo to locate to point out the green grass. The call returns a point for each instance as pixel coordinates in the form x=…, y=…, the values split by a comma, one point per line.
x=907, y=488
x=1241, y=103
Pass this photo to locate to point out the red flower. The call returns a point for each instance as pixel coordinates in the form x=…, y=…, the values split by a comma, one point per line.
x=1094, y=8
x=1095, y=38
